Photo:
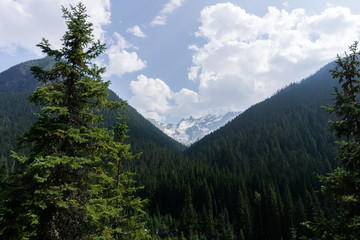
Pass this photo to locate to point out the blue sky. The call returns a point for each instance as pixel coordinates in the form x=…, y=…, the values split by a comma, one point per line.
x=175, y=58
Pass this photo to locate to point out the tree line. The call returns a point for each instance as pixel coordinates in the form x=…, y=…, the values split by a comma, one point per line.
x=72, y=174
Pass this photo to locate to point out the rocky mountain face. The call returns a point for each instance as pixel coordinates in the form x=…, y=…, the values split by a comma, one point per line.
x=190, y=130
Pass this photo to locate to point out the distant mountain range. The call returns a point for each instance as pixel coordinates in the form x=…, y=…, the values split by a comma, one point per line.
x=190, y=130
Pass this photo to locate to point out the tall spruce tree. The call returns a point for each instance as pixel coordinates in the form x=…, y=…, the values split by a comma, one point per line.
x=342, y=186
x=70, y=183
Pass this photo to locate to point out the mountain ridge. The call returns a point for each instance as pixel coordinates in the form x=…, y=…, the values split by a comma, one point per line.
x=254, y=176
x=17, y=83
x=18, y=78
x=318, y=85
x=191, y=129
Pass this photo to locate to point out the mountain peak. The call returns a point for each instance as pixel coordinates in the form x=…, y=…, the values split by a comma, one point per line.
x=19, y=78
x=190, y=130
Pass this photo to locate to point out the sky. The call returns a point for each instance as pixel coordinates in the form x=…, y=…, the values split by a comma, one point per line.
x=171, y=59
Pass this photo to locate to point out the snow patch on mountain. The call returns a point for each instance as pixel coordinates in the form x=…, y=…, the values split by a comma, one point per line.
x=191, y=129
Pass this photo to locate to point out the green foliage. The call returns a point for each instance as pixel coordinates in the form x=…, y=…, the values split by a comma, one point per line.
x=273, y=149
x=70, y=182
x=252, y=179
x=17, y=115
x=255, y=178
x=342, y=186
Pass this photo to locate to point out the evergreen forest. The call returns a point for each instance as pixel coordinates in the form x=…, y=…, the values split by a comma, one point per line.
x=255, y=178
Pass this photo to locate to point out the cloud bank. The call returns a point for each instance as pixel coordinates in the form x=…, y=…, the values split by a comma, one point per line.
x=24, y=23
x=246, y=58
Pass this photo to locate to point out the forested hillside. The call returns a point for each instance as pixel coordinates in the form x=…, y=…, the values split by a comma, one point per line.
x=17, y=114
x=255, y=178
x=19, y=78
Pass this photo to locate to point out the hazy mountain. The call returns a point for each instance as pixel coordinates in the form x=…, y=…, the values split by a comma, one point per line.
x=19, y=78
x=190, y=130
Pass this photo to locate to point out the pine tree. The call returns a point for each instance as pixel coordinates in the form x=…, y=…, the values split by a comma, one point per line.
x=189, y=220
x=241, y=235
x=70, y=184
x=243, y=213
x=343, y=185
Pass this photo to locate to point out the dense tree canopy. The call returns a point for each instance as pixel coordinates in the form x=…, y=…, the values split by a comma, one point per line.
x=252, y=179
x=255, y=178
x=342, y=186
x=70, y=183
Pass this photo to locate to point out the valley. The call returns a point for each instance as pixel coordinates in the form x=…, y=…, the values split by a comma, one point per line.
x=254, y=178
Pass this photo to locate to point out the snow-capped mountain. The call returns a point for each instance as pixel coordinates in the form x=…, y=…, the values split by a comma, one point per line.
x=189, y=130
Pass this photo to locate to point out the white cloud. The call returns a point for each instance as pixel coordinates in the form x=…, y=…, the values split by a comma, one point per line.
x=153, y=115
x=168, y=9
x=154, y=99
x=246, y=58
x=187, y=103
x=23, y=23
x=99, y=15
x=150, y=95
x=159, y=20
x=171, y=6
x=136, y=31
x=193, y=72
x=122, y=61
x=185, y=97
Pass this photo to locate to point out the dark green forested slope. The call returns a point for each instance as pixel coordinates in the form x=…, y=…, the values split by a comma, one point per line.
x=17, y=114
x=252, y=179
x=255, y=177
x=19, y=78
x=143, y=134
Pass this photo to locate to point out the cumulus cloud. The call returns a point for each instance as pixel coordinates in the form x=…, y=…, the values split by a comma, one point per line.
x=136, y=31
x=168, y=9
x=154, y=99
x=246, y=58
x=186, y=97
x=151, y=95
x=23, y=23
x=121, y=60
x=99, y=15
